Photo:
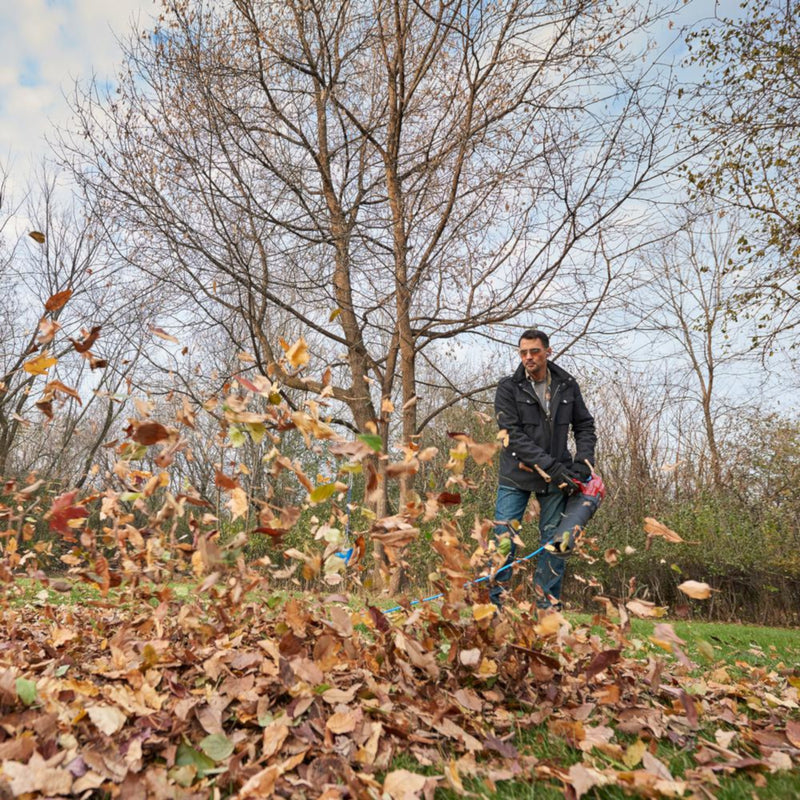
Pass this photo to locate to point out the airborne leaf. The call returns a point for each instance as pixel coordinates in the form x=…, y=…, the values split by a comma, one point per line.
x=148, y=432
x=297, y=354
x=63, y=511
x=40, y=364
x=162, y=334
x=323, y=492
x=37, y=236
x=372, y=440
x=696, y=589
x=58, y=300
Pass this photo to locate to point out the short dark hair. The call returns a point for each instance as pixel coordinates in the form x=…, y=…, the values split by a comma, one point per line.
x=532, y=333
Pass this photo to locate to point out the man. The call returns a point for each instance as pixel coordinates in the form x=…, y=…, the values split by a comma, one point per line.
x=537, y=406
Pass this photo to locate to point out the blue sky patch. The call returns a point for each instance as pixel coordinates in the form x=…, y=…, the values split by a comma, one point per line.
x=31, y=74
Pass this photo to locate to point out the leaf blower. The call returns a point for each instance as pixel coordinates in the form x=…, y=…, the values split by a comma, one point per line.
x=579, y=510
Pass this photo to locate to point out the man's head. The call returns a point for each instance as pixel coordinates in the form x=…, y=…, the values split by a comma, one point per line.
x=534, y=350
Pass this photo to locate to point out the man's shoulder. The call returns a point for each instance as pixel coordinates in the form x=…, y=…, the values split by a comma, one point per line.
x=560, y=374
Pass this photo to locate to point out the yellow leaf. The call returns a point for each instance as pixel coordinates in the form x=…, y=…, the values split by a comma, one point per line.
x=297, y=355
x=483, y=611
x=662, y=643
x=453, y=778
x=549, y=624
x=633, y=755
x=40, y=364
x=237, y=502
x=706, y=649
x=488, y=668
x=325, y=491
x=335, y=313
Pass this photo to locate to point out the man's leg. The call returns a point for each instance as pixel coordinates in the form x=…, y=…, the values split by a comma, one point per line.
x=549, y=568
x=511, y=505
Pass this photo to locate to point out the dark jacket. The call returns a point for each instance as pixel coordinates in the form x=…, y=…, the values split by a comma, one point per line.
x=532, y=438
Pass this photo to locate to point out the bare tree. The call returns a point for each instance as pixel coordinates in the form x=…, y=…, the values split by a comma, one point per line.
x=62, y=294
x=686, y=304
x=379, y=176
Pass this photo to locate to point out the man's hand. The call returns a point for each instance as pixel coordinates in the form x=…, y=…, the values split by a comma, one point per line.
x=561, y=477
x=580, y=471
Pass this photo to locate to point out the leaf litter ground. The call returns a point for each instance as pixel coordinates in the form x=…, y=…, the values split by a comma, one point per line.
x=237, y=691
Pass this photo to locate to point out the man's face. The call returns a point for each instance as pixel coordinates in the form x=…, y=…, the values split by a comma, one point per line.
x=533, y=355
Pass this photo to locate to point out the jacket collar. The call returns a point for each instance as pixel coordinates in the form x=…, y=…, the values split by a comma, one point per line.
x=557, y=374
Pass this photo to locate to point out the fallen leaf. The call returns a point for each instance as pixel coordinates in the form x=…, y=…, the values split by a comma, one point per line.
x=400, y=784
x=107, y=719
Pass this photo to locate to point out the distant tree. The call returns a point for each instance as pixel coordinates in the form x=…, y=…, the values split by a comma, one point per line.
x=748, y=123
x=683, y=307
x=66, y=347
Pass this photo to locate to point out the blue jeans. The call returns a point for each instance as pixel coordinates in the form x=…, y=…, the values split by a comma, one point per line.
x=511, y=505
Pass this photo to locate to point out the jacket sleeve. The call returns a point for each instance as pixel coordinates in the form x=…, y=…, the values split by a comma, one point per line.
x=520, y=446
x=583, y=429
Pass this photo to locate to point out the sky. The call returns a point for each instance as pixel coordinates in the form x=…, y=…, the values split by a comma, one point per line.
x=46, y=45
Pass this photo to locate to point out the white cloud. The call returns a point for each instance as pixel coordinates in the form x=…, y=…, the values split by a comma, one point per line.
x=46, y=46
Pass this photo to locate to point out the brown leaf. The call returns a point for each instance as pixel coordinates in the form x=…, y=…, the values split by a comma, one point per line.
x=149, y=432
x=645, y=609
x=162, y=334
x=793, y=732
x=601, y=662
x=107, y=719
x=37, y=236
x=60, y=388
x=224, y=482
x=58, y=300
x=342, y=722
x=449, y=498
x=653, y=528
x=63, y=511
x=238, y=503
x=88, y=340
x=400, y=784
x=47, y=330
x=378, y=619
x=38, y=777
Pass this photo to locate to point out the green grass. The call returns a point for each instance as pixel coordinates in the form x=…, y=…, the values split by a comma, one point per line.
x=737, y=648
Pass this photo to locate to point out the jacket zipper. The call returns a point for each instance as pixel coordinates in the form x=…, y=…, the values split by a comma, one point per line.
x=551, y=415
